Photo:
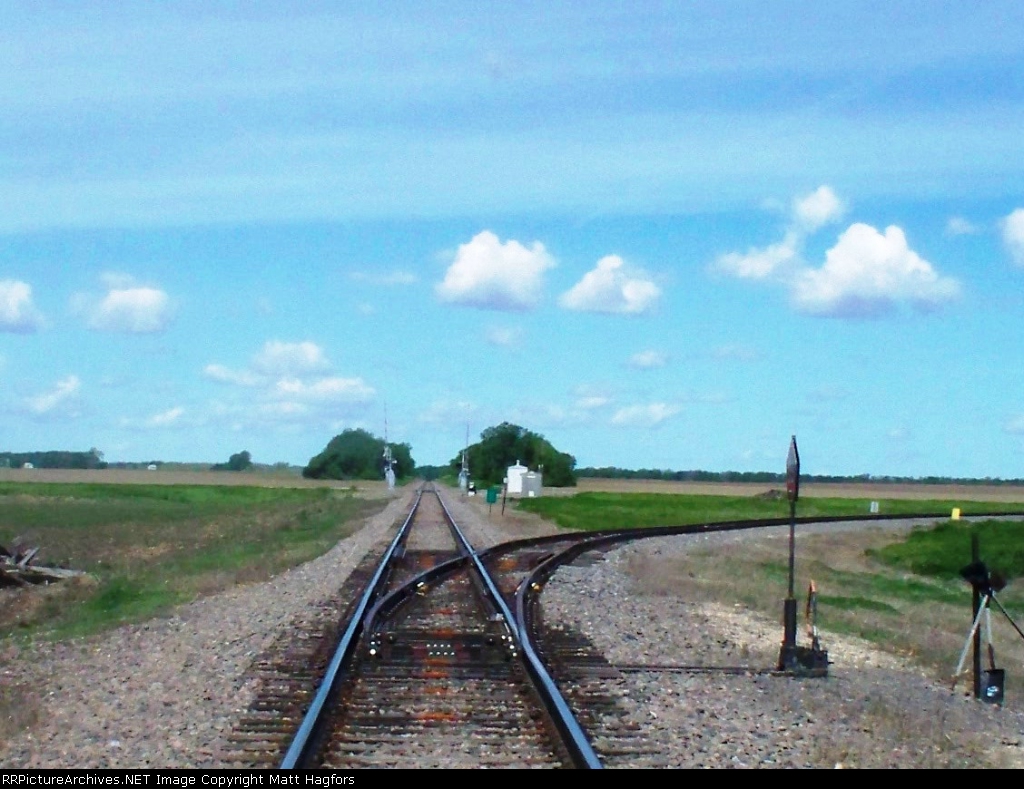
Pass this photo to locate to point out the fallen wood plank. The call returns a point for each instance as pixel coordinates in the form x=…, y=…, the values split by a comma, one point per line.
x=20, y=576
x=28, y=557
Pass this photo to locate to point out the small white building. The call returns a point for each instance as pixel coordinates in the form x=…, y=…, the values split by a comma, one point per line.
x=151, y=467
x=28, y=465
x=514, y=479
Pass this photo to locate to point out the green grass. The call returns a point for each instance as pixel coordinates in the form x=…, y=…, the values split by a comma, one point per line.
x=856, y=604
x=149, y=547
x=943, y=550
x=594, y=511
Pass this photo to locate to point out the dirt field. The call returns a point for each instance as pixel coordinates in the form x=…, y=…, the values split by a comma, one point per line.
x=131, y=477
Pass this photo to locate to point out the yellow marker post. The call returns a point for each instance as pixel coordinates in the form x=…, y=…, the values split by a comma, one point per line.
x=956, y=514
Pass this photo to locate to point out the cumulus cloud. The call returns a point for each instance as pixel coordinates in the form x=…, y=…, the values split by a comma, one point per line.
x=649, y=415
x=613, y=288
x=17, y=312
x=740, y=353
x=290, y=358
x=60, y=399
x=166, y=418
x=323, y=390
x=1013, y=235
x=127, y=307
x=491, y=275
x=759, y=263
x=958, y=226
x=867, y=272
x=645, y=360
x=225, y=375
x=442, y=412
x=504, y=337
x=390, y=278
x=291, y=383
x=817, y=209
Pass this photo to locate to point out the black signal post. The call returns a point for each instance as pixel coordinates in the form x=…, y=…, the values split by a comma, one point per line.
x=788, y=652
x=809, y=661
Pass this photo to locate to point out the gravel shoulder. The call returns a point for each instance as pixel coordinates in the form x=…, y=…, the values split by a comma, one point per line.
x=163, y=694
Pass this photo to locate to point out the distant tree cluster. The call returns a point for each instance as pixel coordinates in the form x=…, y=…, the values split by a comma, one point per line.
x=502, y=446
x=53, y=459
x=613, y=472
x=240, y=461
x=357, y=454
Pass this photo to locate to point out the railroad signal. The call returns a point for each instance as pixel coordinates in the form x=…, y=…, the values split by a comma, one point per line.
x=804, y=660
x=793, y=472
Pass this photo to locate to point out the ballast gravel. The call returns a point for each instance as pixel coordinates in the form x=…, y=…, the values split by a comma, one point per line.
x=165, y=693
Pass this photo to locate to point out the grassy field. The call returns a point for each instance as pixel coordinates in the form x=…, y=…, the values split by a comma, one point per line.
x=617, y=510
x=147, y=547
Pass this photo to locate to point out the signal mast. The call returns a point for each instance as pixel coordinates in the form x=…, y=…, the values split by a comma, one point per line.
x=464, y=472
x=389, y=471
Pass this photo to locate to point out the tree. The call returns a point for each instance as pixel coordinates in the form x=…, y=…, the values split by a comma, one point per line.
x=501, y=446
x=358, y=454
x=240, y=461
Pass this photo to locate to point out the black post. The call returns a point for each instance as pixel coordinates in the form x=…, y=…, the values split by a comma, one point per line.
x=975, y=608
x=788, y=652
x=789, y=610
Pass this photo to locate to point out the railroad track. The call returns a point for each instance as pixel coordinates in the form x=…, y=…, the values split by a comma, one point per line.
x=435, y=655
x=428, y=670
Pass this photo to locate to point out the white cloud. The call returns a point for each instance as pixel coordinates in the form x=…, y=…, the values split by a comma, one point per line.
x=492, y=275
x=1015, y=425
x=225, y=375
x=393, y=278
x=610, y=287
x=866, y=273
x=60, y=399
x=958, y=226
x=650, y=415
x=590, y=402
x=166, y=418
x=817, y=209
x=646, y=360
x=134, y=310
x=759, y=263
x=446, y=413
x=290, y=358
x=741, y=353
x=504, y=337
x=1013, y=235
x=323, y=390
x=17, y=313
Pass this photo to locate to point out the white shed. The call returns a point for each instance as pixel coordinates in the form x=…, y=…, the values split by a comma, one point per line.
x=514, y=479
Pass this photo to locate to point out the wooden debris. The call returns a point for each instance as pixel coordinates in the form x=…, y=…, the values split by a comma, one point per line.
x=17, y=568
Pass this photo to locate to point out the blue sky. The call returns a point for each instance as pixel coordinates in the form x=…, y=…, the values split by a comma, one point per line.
x=660, y=234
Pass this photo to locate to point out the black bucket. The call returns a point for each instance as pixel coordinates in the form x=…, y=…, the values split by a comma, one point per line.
x=992, y=685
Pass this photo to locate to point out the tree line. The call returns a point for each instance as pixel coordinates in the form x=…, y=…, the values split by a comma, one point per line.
x=614, y=472
x=53, y=459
